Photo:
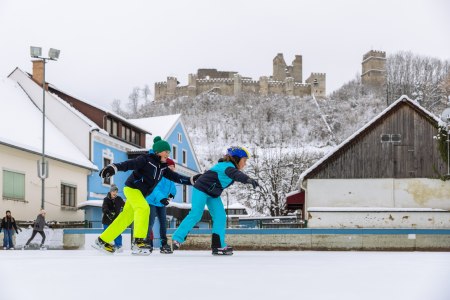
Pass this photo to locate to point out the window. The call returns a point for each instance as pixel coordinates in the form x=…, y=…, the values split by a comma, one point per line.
x=137, y=138
x=184, y=157
x=106, y=161
x=13, y=185
x=127, y=134
x=385, y=138
x=68, y=195
x=392, y=138
x=108, y=125
x=114, y=128
x=122, y=133
x=184, y=194
x=133, y=136
x=180, y=138
x=174, y=152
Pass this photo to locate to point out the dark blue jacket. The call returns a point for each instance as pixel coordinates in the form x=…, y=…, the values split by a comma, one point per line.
x=147, y=172
x=218, y=178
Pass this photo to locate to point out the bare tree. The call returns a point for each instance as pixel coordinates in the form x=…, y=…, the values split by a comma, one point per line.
x=133, y=101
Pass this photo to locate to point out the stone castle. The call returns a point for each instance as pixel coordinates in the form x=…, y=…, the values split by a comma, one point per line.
x=374, y=69
x=285, y=80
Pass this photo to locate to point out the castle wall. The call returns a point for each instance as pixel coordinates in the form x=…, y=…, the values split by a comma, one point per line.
x=222, y=86
x=213, y=73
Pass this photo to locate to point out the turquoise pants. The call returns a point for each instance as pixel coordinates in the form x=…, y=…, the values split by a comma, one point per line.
x=215, y=206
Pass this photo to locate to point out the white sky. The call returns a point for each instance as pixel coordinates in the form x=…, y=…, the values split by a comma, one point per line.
x=108, y=47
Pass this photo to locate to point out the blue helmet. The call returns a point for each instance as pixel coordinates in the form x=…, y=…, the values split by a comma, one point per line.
x=238, y=152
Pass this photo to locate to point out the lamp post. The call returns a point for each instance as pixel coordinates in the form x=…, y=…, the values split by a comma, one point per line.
x=446, y=118
x=53, y=54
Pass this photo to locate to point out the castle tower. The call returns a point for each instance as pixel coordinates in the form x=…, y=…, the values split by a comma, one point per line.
x=297, y=68
x=264, y=85
x=318, y=84
x=374, y=68
x=237, y=87
x=171, y=86
x=279, y=68
x=192, y=85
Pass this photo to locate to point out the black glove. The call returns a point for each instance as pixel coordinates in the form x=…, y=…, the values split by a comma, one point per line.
x=164, y=201
x=108, y=171
x=171, y=196
x=253, y=182
x=195, y=177
x=110, y=215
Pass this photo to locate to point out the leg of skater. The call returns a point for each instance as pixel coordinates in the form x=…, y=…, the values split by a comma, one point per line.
x=219, y=218
x=198, y=205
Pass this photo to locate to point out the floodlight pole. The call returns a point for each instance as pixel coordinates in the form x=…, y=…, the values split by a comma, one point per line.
x=43, y=170
x=44, y=60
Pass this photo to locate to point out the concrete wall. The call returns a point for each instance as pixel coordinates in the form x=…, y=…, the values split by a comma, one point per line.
x=299, y=239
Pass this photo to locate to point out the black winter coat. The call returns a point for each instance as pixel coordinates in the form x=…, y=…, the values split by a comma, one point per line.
x=9, y=223
x=111, y=208
x=147, y=172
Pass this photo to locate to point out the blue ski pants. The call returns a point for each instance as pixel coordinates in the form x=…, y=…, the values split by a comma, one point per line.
x=7, y=238
x=216, y=209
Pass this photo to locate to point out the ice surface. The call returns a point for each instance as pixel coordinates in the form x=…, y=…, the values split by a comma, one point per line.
x=88, y=274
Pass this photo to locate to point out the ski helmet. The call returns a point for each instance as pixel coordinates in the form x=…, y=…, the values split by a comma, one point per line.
x=238, y=152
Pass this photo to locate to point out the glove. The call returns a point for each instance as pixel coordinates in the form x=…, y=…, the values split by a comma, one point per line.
x=164, y=201
x=108, y=171
x=253, y=182
x=171, y=196
x=110, y=215
x=195, y=177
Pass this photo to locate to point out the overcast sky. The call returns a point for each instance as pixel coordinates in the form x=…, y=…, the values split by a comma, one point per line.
x=109, y=47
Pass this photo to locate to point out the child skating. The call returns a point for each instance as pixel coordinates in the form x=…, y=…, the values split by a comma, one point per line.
x=158, y=200
x=207, y=190
x=148, y=169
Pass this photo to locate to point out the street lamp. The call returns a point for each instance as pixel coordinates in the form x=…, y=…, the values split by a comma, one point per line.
x=53, y=54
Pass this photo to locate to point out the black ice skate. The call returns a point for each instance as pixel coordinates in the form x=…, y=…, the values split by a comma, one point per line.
x=103, y=246
x=222, y=251
x=176, y=245
x=165, y=249
x=141, y=247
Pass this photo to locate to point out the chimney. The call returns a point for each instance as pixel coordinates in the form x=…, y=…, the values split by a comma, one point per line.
x=38, y=72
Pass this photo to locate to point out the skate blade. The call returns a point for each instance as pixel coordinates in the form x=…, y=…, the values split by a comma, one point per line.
x=140, y=253
x=166, y=252
x=101, y=249
x=223, y=254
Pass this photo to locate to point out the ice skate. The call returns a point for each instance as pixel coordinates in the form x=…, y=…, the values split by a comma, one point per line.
x=103, y=246
x=5, y=248
x=175, y=245
x=141, y=247
x=165, y=249
x=25, y=247
x=42, y=247
x=222, y=251
x=12, y=248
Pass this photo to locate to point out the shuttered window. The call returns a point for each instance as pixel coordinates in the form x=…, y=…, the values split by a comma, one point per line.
x=13, y=185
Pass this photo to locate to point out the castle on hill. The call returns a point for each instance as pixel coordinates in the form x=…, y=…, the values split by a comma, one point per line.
x=285, y=80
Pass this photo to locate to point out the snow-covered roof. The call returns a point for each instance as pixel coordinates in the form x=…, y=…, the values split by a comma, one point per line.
x=100, y=107
x=21, y=127
x=159, y=126
x=403, y=98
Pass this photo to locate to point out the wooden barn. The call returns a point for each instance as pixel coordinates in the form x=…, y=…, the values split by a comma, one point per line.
x=386, y=175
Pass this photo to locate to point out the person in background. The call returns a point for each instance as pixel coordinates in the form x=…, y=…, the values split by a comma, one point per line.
x=38, y=227
x=8, y=225
x=207, y=190
x=112, y=206
x=158, y=200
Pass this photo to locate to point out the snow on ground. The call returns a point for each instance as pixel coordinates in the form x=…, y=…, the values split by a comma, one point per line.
x=88, y=274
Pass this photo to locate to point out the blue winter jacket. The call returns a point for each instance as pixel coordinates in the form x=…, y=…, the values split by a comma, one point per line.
x=161, y=191
x=218, y=178
x=147, y=172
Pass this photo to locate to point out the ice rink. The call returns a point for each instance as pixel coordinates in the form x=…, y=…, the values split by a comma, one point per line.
x=88, y=274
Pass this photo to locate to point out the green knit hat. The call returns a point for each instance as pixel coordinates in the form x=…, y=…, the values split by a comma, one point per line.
x=160, y=145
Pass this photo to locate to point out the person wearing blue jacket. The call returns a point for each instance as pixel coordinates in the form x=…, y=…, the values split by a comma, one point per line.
x=207, y=190
x=158, y=200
